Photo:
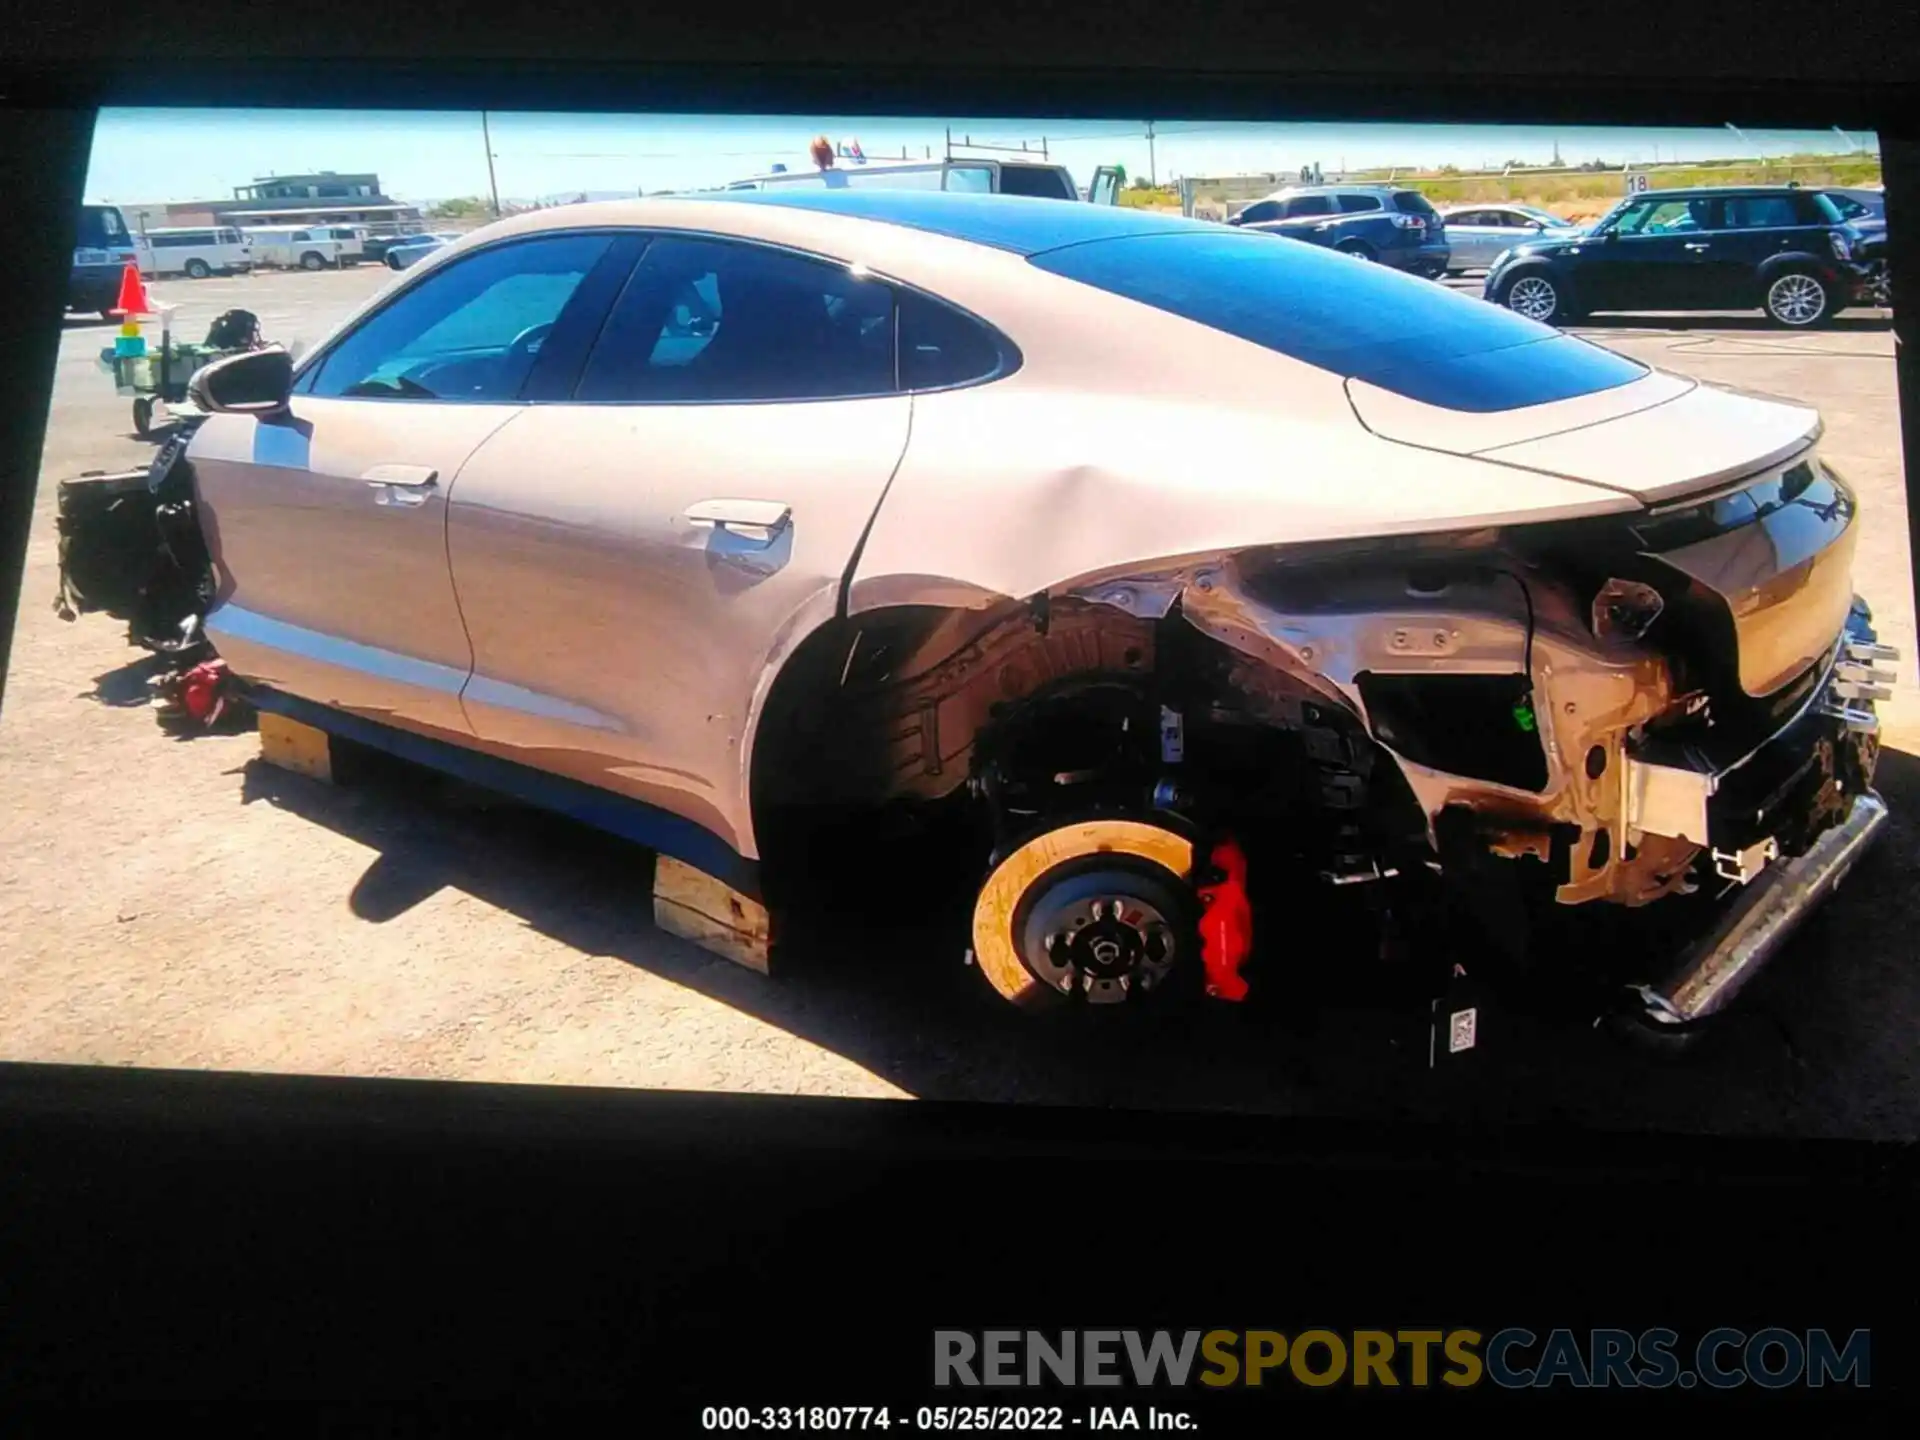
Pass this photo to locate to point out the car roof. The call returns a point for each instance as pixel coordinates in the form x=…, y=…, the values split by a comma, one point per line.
x=1371, y=186
x=1011, y=162
x=1020, y=224
x=1707, y=192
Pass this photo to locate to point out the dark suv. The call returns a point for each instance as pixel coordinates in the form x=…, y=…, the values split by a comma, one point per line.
x=1775, y=248
x=1373, y=222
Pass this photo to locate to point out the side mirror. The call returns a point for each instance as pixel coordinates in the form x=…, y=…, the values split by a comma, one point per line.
x=1535, y=226
x=258, y=382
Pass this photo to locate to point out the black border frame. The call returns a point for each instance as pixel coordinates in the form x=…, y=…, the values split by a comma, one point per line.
x=355, y=1252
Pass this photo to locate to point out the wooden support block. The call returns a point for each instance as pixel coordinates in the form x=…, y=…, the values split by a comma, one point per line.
x=296, y=747
x=713, y=915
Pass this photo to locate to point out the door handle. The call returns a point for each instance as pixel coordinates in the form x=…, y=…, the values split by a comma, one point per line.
x=404, y=485
x=752, y=519
x=1698, y=245
x=409, y=477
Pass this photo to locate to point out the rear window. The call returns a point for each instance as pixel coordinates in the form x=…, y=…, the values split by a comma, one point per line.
x=1411, y=202
x=1364, y=322
x=100, y=227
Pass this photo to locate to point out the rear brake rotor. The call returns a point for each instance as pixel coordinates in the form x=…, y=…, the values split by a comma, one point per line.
x=1097, y=909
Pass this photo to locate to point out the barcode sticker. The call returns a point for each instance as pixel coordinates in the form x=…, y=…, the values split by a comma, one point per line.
x=1173, y=736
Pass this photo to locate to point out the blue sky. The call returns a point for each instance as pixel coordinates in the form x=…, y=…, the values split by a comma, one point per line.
x=425, y=155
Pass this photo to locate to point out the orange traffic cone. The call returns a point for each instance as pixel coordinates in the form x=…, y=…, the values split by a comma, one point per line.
x=133, y=294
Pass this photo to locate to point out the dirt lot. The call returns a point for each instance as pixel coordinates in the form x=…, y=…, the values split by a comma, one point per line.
x=174, y=903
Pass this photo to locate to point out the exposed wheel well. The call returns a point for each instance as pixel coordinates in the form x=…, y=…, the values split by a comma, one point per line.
x=1026, y=710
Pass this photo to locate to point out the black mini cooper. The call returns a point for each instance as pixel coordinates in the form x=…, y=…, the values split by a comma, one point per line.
x=1779, y=249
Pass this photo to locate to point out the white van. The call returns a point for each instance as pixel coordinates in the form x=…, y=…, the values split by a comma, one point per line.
x=979, y=177
x=221, y=250
x=303, y=247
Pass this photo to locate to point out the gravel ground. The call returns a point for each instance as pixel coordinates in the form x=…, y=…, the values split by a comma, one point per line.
x=175, y=903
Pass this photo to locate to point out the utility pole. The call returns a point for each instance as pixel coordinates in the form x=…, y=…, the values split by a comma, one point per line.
x=493, y=186
x=1153, y=172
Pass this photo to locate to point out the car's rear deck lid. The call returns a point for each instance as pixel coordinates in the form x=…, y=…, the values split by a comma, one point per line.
x=1657, y=439
x=1698, y=441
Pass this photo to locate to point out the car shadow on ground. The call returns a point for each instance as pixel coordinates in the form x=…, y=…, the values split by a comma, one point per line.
x=1818, y=1046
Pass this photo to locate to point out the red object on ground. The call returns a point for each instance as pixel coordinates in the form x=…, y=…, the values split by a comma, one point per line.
x=133, y=294
x=1226, y=923
x=203, y=691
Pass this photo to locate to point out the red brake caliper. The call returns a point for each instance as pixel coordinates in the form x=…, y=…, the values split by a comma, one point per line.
x=1226, y=923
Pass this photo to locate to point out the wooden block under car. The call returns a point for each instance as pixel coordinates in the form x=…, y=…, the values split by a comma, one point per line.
x=296, y=747
x=712, y=914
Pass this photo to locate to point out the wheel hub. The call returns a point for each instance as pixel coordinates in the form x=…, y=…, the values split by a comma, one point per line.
x=1531, y=297
x=1098, y=935
x=1796, y=299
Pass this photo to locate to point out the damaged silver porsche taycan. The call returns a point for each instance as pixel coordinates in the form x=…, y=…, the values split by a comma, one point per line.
x=1167, y=553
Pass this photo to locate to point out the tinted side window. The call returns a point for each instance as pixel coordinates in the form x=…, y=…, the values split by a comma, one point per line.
x=470, y=331
x=1827, y=210
x=1035, y=180
x=940, y=346
x=1309, y=205
x=1262, y=211
x=1355, y=204
x=705, y=321
x=1759, y=212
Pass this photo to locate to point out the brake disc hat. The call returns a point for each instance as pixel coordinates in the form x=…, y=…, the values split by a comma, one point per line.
x=1028, y=872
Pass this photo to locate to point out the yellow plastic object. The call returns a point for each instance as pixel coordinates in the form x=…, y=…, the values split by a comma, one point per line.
x=994, y=948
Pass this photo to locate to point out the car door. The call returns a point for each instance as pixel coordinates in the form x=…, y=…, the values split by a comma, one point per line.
x=1472, y=247
x=1104, y=189
x=636, y=555
x=1642, y=262
x=327, y=525
x=1314, y=218
x=1497, y=231
x=1754, y=228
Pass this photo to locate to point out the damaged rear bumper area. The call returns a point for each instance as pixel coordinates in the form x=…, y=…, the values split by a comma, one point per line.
x=1627, y=711
x=1707, y=977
